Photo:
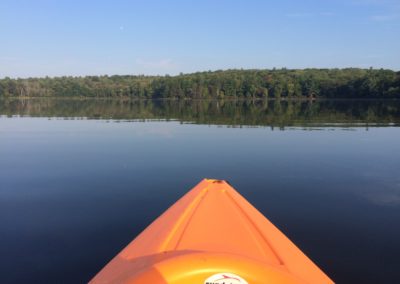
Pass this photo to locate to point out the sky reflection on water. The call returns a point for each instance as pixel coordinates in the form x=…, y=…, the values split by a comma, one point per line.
x=75, y=192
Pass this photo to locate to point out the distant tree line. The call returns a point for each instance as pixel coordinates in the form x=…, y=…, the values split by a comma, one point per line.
x=247, y=84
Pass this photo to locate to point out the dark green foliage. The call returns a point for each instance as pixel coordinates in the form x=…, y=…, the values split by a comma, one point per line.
x=274, y=113
x=283, y=83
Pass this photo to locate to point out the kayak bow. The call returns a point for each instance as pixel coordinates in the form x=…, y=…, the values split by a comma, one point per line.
x=212, y=235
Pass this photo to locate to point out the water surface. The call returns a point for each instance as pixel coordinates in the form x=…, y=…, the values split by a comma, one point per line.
x=79, y=179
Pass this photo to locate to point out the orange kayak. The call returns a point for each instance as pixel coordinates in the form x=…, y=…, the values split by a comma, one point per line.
x=212, y=235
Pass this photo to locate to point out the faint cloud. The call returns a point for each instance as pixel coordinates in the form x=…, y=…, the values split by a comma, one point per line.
x=299, y=15
x=375, y=2
x=162, y=64
x=309, y=15
x=374, y=56
x=385, y=4
x=384, y=18
x=385, y=199
x=8, y=58
x=390, y=9
x=386, y=195
x=328, y=14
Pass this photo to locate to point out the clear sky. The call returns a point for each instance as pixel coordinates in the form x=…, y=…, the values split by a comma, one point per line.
x=70, y=37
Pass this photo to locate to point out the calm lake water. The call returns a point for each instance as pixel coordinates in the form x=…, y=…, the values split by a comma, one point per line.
x=79, y=179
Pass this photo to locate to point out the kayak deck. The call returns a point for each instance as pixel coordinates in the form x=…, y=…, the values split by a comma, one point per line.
x=212, y=230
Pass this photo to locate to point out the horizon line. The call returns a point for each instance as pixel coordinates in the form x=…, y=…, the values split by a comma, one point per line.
x=197, y=72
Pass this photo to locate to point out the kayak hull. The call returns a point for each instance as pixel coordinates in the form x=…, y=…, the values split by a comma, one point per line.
x=211, y=231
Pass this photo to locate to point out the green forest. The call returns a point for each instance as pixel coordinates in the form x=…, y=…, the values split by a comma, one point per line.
x=245, y=84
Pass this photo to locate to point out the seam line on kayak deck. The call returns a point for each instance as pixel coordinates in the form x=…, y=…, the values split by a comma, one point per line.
x=203, y=195
x=190, y=209
x=256, y=229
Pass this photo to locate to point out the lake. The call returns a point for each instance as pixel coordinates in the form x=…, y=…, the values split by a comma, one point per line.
x=79, y=179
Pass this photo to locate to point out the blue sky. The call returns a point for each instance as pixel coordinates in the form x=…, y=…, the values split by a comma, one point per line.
x=59, y=37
